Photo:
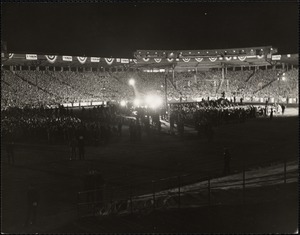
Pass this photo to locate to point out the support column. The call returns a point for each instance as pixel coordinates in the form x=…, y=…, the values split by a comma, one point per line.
x=173, y=75
x=166, y=94
x=223, y=71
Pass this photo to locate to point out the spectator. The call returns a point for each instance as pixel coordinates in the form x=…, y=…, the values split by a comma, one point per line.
x=32, y=204
x=227, y=160
x=81, y=149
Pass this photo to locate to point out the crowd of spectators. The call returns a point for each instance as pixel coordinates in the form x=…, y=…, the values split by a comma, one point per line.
x=35, y=88
x=207, y=114
x=60, y=125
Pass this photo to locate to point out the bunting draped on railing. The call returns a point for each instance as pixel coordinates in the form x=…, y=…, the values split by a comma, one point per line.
x=186, y=59
x=109, y=60
x=81, y=59
x=199, y=59
x=242, y=58
x=85, y=60
x=260, y=56
x=51, y=58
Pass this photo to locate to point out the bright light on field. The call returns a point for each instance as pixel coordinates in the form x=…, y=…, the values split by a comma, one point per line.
x=123, y=103
x=136, y=102
x=131, y=82
x=153, y=101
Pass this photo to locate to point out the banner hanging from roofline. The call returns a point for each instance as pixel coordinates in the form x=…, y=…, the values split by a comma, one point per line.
x=81, y=59
x=31, y=57
x=51, y=58
x=95, y=59
x=124, y=61
x=67, y=58
x=157, y=60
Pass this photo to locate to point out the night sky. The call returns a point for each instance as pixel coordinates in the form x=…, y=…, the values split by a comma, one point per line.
x=118, y=29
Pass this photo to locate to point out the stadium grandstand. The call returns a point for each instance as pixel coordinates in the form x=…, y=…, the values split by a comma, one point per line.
x=106, y=139
x=254, y=74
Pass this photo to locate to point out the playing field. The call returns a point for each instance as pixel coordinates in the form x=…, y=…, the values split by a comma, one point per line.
x=256, y=142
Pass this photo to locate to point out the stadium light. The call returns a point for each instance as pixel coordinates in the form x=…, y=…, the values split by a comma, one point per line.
x=136, y=102
x=153, y=101
x=123, y=103
x=131, y=82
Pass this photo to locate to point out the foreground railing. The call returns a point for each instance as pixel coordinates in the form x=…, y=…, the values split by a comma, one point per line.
x=177, y=192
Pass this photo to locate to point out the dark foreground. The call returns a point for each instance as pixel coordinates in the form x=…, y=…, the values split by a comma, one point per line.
x=276, y=216
x=59, y=179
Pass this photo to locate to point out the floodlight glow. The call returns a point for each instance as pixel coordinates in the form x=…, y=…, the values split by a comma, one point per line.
x=131, y=82
x=153, y=101
x=123, y=103
x=283, y=78
x=136, y=102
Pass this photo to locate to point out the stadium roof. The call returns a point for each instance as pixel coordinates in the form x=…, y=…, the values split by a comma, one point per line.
x=179, y=64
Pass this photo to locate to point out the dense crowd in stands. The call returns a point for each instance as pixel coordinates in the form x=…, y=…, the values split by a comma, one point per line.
x=35, y=88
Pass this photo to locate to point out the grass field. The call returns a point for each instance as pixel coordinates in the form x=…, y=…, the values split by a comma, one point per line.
x=58, y=179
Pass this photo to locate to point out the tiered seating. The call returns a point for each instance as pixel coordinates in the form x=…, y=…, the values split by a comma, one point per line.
x=35, y=88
